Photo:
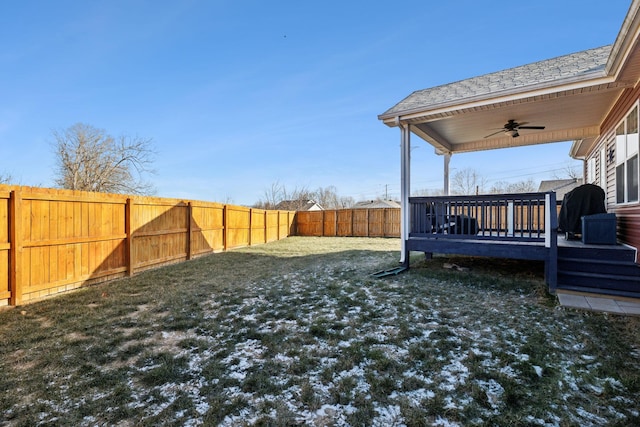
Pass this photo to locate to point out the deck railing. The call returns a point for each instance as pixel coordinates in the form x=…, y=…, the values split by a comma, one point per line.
x=517, y=217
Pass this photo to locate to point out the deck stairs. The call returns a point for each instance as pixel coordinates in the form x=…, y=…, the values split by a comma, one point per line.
x=600, y=269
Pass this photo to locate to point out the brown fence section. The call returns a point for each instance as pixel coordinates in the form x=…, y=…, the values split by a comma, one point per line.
x=53, y=241
x=349, y=223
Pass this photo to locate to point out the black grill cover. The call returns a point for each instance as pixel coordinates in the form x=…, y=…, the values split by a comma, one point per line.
x=588, y=199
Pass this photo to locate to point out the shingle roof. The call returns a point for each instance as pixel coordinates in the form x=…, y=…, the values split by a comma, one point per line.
x=565, y=68
x=298, y=205
x=376, y=204
x=559, y=186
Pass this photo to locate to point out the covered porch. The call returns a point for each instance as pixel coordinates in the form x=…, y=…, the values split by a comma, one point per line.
x=567, y=98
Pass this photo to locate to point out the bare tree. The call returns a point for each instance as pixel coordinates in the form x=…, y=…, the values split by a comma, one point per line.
x=327, y=197
x=427, y=192
x=5, y=178
x=467, y=181
x=272, y=196
x=299, y=195
x=278, y=193
x=569, y=171
x=91, y=160
x=503, y=187
x=345, y=202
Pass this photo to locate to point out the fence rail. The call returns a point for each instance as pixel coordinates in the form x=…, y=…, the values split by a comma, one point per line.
x=53, y=241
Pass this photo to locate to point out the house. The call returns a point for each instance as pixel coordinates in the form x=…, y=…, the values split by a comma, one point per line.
x=298, y=205
x=376, y=204
x=590, y=98
x=560, y=186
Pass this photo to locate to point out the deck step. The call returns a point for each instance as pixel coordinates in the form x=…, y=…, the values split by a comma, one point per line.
x=612, y=253
x=607, y=269
x=604, y=281
x=600, y=266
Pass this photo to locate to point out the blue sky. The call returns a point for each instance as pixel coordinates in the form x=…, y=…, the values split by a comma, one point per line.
x=238, y=95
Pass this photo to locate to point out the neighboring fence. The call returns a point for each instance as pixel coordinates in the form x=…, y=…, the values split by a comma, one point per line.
x=372, y=222
x=383, y=222
x=53, y=241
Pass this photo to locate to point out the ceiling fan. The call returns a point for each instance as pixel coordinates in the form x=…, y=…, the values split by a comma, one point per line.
x=511, y=128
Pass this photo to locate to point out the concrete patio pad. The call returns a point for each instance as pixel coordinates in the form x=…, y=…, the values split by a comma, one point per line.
x=602, y=303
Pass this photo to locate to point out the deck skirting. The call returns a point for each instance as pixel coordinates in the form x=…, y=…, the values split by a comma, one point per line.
x=489, y=248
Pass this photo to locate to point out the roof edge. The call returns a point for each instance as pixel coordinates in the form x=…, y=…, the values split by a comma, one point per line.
x=589, y=79
x=626, y=39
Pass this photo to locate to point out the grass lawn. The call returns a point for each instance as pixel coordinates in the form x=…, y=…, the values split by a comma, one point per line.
x=298, y=332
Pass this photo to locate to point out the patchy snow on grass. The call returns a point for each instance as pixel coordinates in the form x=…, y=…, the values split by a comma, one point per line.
x=320, y=342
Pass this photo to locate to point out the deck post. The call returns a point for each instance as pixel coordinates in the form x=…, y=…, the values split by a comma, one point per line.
x=551, y=241
x=510, y=218
x=405, y=189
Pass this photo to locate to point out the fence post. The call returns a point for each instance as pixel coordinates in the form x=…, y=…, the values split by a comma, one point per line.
x=250, y=226
x=385, y=218
x=189, y=228
x=128, y=209
x=353, y=221
x=15, y=257
x=225, y=231
x=368, y=223
x=292, y=225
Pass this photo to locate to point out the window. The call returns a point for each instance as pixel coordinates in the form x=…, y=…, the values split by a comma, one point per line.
x=603, y=169
x=591, y=171
x=627, y=159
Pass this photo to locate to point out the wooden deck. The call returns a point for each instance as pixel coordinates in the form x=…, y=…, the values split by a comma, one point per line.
x=521, y=226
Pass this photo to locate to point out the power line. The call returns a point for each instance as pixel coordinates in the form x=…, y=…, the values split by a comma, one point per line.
x=394, y=189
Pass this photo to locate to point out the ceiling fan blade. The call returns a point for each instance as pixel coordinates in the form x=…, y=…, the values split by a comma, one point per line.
x=495, y=133
x=531, y=127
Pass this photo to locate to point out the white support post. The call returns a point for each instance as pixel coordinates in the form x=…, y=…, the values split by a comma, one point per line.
x=447, y=160
x=547, y=220
x=405, y=189
x=511, y=218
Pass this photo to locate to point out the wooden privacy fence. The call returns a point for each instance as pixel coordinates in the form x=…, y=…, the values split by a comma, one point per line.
x=384, y=222
x=53, y=241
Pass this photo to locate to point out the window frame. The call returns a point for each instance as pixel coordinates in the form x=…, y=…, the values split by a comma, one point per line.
x=627, y=173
